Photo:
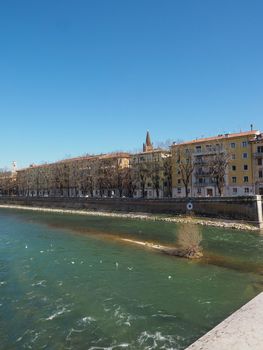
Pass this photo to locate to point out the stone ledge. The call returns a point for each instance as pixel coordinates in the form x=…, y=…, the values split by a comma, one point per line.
x=243, y=330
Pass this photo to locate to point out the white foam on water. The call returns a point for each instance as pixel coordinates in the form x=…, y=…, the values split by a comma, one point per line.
x=122, y=346
x=157, y=340
x=57, y=313
x=39, y=283
x=88, y=319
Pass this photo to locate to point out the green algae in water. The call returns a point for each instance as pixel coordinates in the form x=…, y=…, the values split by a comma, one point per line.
x=61, y=287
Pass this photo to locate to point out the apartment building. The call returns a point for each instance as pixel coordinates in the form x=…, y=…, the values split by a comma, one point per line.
x=257, y=154
x=74, y=177
x=219, y=165
x=151, y=170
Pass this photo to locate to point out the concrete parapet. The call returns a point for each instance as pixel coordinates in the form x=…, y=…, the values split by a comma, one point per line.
x=243, y=330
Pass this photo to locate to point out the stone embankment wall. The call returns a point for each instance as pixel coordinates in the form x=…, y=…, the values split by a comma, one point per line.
x=243, y=330
x=240, y=208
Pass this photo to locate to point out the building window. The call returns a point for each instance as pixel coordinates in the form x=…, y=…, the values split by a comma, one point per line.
x=198, y=149
x=244, y=155
x=234, y=179
x=260, y=161
x=244, y=144
x=233, y=156
x=234, y=168
x=260, y=173
x=245, y=167
x=199, y=190
x=179, y=181
x=246, y=190
x=245, y=179
x=232, y=145
x=260, y=149
x=179, y=190
x=234, y=190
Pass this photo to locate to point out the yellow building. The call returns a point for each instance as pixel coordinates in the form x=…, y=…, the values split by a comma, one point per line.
x=152, y=171
x=257, y=152
x=208, y=166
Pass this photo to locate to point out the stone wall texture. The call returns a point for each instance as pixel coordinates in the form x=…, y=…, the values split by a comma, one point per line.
x=238, y=208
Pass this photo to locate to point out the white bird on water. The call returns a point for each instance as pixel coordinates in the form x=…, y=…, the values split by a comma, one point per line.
x=26, y=246
x=117, y=265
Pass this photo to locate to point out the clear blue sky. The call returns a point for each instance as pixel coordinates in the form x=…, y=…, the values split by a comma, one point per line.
x=92, y=76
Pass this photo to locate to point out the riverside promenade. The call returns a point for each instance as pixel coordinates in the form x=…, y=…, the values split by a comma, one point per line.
x=243, y=330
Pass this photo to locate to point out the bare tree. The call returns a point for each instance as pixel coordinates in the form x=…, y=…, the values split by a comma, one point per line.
x=88, y=177
x=155, y=173
x=103, y=176
x=185, y=166
x=7, y=183
x=218, y=163
x=167, y=174
x=165, y=145
x=142, y=175
x=129, y=181
x=117, y=177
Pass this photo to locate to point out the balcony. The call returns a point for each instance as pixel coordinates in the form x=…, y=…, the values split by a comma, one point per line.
x=258, y=154
x=207, y=152
x=204, y=184
x=202, y=173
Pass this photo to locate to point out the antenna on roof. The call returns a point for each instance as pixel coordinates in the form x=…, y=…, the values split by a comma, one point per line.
x=251, y=127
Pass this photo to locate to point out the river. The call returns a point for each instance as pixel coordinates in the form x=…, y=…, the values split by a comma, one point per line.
x=69, y=282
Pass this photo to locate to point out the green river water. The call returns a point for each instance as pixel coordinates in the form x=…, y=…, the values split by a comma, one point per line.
x=66, y=283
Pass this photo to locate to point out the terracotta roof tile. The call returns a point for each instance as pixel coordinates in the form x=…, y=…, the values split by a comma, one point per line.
x=220, y=137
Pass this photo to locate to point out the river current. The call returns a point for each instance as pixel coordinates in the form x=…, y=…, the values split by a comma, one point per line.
x=67, y=283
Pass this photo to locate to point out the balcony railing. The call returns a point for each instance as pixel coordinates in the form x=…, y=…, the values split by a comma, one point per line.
x=203, y=184
x=258, y=154
x=207, y=152
x=202, y=173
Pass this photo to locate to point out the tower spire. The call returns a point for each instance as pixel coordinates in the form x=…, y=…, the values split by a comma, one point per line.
x=147, y=146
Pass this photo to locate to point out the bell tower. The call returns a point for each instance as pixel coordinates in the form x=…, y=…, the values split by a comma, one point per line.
x=147, y=146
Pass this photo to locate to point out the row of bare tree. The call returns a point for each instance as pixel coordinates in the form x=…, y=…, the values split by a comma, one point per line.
x=101, y=178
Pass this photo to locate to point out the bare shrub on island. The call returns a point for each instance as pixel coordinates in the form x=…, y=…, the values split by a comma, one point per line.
x=189, y=241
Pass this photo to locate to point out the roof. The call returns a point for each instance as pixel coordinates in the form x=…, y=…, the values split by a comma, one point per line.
x=220, y=137
x=68, y=160
x=156, y=150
